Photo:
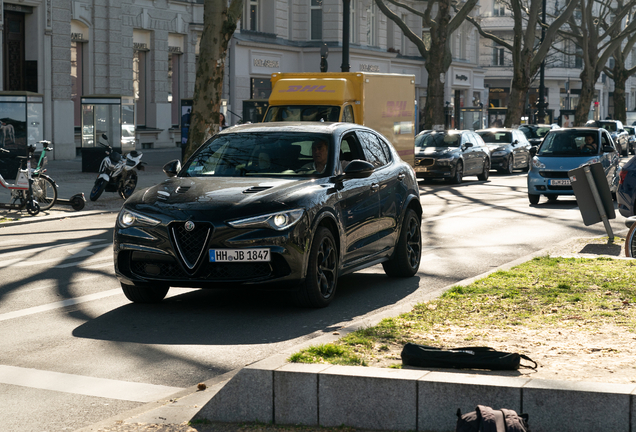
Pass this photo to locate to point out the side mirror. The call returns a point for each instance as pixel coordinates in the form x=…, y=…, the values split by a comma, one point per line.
x=104, y=136
x=358, y=169
x=608, y=149
x=515, y=142
x=533, y=151
x=467, y=145
x=172, y=168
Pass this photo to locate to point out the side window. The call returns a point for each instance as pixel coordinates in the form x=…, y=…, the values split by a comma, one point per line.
x=604, y=140
x=347, y=115
x=373, y=150
x=350, y=149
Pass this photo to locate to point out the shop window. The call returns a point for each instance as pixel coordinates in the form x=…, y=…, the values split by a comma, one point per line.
x=174, y=95
x=77, y=79
x=316, y=20
x=139, y=85
x=260, y=88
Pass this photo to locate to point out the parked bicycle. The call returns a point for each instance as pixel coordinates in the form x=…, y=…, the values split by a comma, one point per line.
x=22, y=190
x=44, y=187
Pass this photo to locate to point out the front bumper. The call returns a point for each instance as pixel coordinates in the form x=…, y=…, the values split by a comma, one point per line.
x=544, y=182
x=430, y=168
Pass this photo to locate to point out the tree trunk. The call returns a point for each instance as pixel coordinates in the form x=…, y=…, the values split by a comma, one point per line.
x=219, y=23
x=620, y=107
x=516, y=102
x=588, y=80
x=434, y=109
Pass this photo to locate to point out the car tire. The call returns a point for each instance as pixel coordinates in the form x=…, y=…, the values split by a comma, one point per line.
x=625, y=152
x=534, y=199
x=319, y=287
x=510, y=167
x=484, y=175
x=459, y=173
x=552, y=198
x=144, y=294
x=405, y=261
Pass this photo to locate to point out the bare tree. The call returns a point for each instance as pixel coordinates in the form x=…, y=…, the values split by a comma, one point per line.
x=440, y=18
x=619, y=73
x=599, y=31
x=219, y=24
x=528, y=51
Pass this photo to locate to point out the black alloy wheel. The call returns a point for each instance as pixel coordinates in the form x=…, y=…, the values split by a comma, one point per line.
x=486, y=172
x=405, y=262
x=98, y=188
x=321, y=282
x=144, y=294
x=459, y=173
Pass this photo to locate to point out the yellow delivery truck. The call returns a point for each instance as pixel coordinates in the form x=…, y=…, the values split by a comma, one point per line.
x=384, y=102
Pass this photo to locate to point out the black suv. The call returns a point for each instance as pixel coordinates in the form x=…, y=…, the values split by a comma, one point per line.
x=616, y=130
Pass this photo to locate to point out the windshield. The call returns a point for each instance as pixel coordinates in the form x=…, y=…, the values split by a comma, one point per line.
x=438, y=139
x=303, y=113
x=535, y=132
x=609, y=126
x=496, y=137
x=570, y=144
x=257, y=154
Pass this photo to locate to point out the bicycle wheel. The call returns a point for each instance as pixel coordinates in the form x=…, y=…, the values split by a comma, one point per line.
x=44, y=191
x=630, y=242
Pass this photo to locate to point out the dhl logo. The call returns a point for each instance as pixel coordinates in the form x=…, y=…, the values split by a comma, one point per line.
x=396, y=109
x=307, y=88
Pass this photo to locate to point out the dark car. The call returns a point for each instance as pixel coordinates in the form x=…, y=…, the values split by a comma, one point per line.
x=253, y=207
x=626, y=194
x=536, y=132
x=565, y=149
x=451, y=155
x=631, y=139
x=616, y=130
x=509, y=149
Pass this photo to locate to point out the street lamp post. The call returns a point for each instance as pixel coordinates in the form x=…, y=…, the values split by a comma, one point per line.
x=346, y=5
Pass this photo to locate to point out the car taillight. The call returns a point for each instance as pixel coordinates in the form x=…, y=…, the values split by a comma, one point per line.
x=621, y=176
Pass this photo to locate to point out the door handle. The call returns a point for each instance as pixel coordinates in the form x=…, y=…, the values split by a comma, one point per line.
x=375, y=187
x=401, y=176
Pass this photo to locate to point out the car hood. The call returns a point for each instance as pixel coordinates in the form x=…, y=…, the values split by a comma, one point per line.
x=565, y=164
x=436, y=151
x=224, y=197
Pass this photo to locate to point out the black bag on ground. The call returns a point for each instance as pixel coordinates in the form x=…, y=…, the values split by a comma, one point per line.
x=486, y=419
x=462, y=358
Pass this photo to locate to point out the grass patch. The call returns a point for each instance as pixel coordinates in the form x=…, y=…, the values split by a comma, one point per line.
x=545, y=291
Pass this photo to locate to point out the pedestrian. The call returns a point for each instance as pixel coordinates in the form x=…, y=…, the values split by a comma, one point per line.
x=222, y=124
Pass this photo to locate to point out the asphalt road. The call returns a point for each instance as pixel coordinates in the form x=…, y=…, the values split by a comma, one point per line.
x=74, y=350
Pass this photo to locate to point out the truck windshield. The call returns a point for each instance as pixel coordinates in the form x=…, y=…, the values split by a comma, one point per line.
x=303, y=113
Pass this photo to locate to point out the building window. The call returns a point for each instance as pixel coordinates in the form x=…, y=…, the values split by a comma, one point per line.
x=353, y=29
x=498, y=8
x=371, y=25
x=77, y=79
x=403, y=37
x=139, y=85
x=497, y=55
x=316, y=20
x=174, y=95
x=252, y=16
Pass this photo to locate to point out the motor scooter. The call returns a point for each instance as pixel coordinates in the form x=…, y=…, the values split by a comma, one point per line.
x=117, y=173
x=22, y=190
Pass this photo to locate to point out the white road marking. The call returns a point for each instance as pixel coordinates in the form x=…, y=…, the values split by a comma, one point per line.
x=75, y=252
x=59, y=304
x=460, y=213
x=84, y=385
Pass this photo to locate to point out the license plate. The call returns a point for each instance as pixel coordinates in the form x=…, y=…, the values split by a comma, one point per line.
x=559, y=182
x=240, y=255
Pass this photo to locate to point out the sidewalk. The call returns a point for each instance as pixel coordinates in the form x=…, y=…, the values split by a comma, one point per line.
x=71, y=180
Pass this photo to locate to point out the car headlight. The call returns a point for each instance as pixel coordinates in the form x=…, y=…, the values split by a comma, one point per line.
x=499, y=153
x=537, y=163
x=591, y=161
x=444, y=161
x=277, y=221
x=128, y=218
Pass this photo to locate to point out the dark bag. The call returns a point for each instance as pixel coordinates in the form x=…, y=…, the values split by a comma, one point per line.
x=486, y=419
x=462, y=358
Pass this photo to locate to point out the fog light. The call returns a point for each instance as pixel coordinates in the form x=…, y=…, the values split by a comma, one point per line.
x=542, y=188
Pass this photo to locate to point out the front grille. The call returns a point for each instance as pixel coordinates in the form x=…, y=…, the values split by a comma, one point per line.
x=236, y=271
x=560, y=188
x=425, y=162
x=190, y=245
x=158, y=270
x=554, y=174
